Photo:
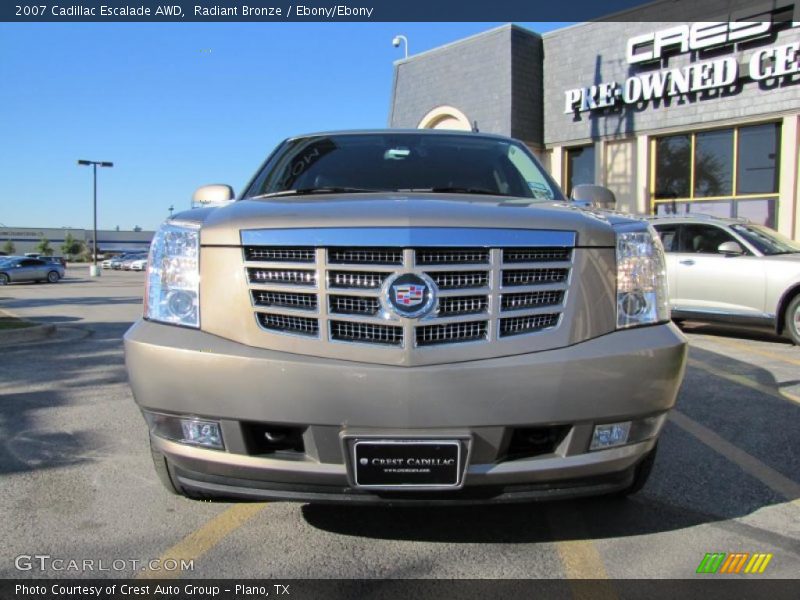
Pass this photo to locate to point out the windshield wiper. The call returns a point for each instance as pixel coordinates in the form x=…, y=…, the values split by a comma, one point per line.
x=458, y=190
x=317, y=190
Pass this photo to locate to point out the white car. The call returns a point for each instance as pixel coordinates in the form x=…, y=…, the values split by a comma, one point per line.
x=139, y=265
x=106, y=264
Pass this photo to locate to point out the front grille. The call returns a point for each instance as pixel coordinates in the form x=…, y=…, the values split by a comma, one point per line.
x=453, y=256
x=354, y=305
x=451, y=333
x=462, y=305
x=516, y=277
x=289, y=324
x=521, y=255
x=366, y=333
x=283, y=276
x=285, y=299
x=485, y=295
x=303, y=254
x=366, y=256
x=456, y=280
x=529, y=324
x=524, y=300
x=356, y=279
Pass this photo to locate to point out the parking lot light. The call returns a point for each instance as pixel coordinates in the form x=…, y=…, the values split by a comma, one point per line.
x=94, y=271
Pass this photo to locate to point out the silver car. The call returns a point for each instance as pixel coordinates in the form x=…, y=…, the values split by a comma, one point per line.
x=18, y=269
x=732, y=270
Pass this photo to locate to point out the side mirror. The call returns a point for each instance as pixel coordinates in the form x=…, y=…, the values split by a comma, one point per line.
x=593, y=196
x=216, y=193
x=730, y=249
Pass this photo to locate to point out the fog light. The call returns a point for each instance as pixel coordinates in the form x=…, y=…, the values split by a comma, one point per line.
x=196, y=432
x=610, y=435
x=202, y=433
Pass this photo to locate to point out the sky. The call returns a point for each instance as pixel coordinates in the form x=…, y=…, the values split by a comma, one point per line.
x=178, y=105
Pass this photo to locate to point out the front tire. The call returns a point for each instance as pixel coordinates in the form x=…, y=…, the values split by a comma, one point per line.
x=4, y=280
x=52, y=277
x=791, y=320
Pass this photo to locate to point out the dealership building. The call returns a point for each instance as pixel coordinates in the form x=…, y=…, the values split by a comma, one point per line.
x=701, y=116
x=26, y=239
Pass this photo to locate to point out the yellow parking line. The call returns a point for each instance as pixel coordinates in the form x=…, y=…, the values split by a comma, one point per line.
x=200, y=541
x=749, y=464
x=745, y=381
x=755, y=350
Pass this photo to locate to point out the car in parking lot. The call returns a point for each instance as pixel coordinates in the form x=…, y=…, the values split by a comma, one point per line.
x=403, y=317
x=22, y=269
x=117, y=262
x=127, y=264
x=140, y=264
x=733, y=271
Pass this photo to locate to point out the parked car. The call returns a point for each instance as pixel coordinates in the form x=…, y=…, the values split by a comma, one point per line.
x=106, y=264
x=127, y=264
x=117, y=261
x=18, y=269
x=139, y=264
x=733, y=271
x=403, y=317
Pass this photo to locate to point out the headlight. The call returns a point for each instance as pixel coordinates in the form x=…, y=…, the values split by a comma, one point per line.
x=173, y=275
x=641, y=279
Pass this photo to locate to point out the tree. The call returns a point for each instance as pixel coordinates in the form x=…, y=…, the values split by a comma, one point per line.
x=9, y=247
x=71, y=246
x=43, y=247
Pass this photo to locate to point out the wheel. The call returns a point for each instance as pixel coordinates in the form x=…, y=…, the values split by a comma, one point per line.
x=642, y=474
x=791, y=320
x=162, y=470
x=53, y=277
x=4, y=279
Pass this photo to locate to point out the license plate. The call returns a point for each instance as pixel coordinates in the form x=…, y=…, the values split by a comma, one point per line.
x=407, y=463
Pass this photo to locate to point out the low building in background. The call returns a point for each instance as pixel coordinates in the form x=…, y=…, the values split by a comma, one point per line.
x=699, y=116
x=27, y=239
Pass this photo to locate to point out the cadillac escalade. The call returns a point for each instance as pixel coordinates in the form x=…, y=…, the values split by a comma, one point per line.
x=403, y=317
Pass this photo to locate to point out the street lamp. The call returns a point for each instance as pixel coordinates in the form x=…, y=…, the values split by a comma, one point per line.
x=396, y=42
x=94, y=271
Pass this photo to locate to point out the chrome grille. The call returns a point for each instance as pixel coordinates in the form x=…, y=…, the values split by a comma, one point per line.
x=515, y=277
x=529, y=324
x=452, y=256
x=356, y=279
x=453, y=280
x=285, y=299
x=366, y=256
x=450, y=333
x=462, y=305
x=523, y=300
x=354, y=305
x=289, y=324
x=366, y=333
x=303, y=254
x=283, y=276
x=521, y=255
x=484, y=294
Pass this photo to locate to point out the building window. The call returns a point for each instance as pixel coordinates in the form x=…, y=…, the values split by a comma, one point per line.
x=723, y=172
x=579, y=167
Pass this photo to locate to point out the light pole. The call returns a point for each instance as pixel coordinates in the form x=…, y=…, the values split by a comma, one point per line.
x=171, y=208
x=94, y=271
x=396, y=42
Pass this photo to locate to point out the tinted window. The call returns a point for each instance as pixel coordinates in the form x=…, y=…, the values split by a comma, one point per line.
x=580, y=167
x=703, y=239
x=673, y=166
x=713, y=163
x=669, y=237
x=758, y=159
x=768, y=241
x=404, y=162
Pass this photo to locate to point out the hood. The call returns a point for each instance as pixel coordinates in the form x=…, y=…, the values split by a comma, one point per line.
x=222, y=226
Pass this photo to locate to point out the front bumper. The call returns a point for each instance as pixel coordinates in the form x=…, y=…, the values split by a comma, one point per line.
x=621, y=376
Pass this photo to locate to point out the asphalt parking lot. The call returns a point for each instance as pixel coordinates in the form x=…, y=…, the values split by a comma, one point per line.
x=78, y=483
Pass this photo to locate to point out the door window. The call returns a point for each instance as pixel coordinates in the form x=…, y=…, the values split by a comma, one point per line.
x=704, y=239
x=669, y=237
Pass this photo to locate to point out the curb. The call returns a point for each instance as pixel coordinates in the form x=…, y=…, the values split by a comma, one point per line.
x=26, y=334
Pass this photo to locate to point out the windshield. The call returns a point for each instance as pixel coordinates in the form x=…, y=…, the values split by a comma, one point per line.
x=405, y=162
x=767, y=241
